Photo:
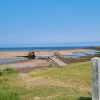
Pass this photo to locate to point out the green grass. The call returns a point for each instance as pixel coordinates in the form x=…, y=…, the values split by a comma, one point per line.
x=6, y=71
x=72, y=82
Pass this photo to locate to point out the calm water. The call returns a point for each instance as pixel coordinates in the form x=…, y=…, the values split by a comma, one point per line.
x=41, y=48
x=8, y=60
x=82, y=54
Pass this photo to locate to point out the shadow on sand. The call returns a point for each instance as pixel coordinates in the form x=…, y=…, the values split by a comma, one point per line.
x=85, y=98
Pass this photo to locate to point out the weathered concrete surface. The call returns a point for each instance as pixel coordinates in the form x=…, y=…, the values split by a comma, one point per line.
x=57, y=61
x=96, y=78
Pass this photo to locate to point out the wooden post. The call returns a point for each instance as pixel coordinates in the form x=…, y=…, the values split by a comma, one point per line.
x=96, y=78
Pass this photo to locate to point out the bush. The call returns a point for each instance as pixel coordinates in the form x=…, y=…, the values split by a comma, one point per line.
x=6, y=71
x=1, y=72
x=57, y=53
x=31, y=55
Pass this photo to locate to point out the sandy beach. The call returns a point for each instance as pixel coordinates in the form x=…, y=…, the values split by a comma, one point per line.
x=65, y=52
x=28, y=65
x=13, y=54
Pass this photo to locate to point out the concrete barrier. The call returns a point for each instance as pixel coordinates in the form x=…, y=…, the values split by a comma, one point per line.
x=96, y=78
x=57, y=61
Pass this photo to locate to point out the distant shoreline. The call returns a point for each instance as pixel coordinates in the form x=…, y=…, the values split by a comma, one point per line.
x=38, y=53
x=44, y=48
x=18, y=57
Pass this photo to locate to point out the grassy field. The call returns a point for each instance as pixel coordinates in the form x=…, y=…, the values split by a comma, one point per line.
x=72, y=82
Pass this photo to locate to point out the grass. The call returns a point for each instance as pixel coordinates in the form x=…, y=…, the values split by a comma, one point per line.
x=72, y=82
x=5, y=71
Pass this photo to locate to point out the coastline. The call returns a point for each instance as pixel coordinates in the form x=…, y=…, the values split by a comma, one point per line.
x=43, y=48
x=18, y=53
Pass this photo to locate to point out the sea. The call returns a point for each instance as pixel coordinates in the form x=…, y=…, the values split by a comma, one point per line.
x=40, y=48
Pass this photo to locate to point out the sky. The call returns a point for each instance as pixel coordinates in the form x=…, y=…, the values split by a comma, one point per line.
x=49, y=22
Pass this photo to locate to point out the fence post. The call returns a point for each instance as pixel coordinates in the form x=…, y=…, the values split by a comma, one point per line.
x=96, y=78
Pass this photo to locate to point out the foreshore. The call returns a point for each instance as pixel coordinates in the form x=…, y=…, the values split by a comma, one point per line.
x=13, y=54
x=27, y=65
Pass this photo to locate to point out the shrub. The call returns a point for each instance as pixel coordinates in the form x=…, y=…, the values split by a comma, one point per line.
x=6, y=71
x=31, y=55
x=1, y=72
x=57, y=53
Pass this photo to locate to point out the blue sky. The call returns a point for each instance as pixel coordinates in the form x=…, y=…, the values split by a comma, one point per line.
x=39, y=22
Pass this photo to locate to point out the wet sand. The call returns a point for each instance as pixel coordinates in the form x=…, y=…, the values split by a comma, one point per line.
x=65, y=52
